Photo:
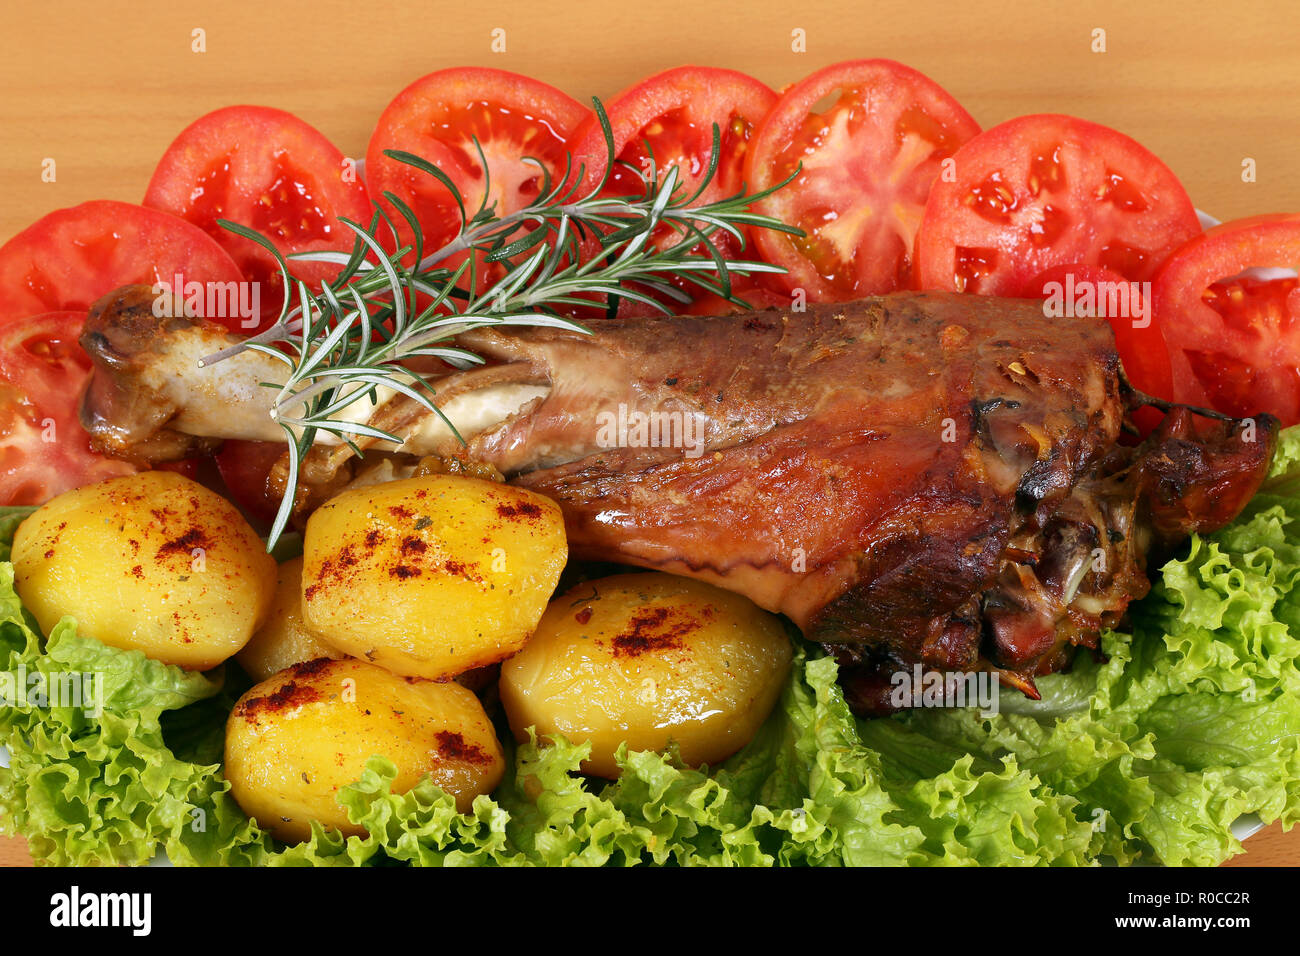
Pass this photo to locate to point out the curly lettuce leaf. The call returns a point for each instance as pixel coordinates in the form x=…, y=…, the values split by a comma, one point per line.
x=806, y=791
x=106, y=788
x=1192, y=721
x=1148, y=751
x=11, y=516
x=1284, y=471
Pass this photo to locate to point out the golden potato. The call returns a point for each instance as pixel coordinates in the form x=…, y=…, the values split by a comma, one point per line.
x=284, y=639
x=152, y=562
x=433, y=576
x=645, y=659
x=293, y=741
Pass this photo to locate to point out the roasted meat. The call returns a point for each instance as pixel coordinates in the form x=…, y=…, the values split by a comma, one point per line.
x=917, y=478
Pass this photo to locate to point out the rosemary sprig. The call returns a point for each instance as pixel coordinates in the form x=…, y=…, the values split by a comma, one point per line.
x=356, y=335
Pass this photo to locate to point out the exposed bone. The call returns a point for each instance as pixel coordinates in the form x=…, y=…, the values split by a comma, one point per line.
x=150, y=397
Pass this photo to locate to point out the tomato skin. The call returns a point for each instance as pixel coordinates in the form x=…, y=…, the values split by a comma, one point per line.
x=869, y=161
x=71, y=257
x=1139, y=340
x=1234, y=341
x=268, y=170
x=245, y=467
x=189, y=467
x=674, y=112
x=436, y=117
x=43, y=449
x=1045, y=190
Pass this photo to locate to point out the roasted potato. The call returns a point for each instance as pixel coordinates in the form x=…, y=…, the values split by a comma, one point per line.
x=645, y=659
x=284, y=639
x=152, y=562
x=433, y=576
x=293, y=741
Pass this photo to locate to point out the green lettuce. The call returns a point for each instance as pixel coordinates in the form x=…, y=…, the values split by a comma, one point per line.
x=143, y=777
x=1148, y=751
x=1194, y=718
x=10, y=519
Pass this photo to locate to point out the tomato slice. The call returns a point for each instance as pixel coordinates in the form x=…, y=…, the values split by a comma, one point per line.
x=1083, y=291
x=438, y=118
x=68, y=259
x=1047, y=190
x=868, y=161
x=268, y=170
x=245, y=467
x=669, y=117
x=44, y=451
x=1233, y=335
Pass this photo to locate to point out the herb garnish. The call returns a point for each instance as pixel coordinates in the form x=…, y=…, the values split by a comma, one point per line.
x=352, y=337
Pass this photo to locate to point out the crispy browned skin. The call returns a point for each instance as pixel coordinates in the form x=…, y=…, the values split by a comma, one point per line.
x=917, y=478
x=860, y=458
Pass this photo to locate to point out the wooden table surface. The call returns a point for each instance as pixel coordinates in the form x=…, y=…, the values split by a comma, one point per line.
x=103, y=88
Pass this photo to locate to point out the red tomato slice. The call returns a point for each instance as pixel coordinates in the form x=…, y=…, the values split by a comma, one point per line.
x=674, y=112
x=1091, y=291
x=68, y=259
x=268, y=170
x=1234, y=339
x=1047, y=190
x=439, y=116
x=869, y=160
x=43, y=449
x=670, y=116
x=189, y=467
x=245, y=467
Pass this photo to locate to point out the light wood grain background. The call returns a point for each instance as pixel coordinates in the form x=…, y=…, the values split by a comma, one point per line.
x=102, y=88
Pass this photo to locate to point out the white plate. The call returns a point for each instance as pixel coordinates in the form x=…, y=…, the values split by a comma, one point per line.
x=1247, y=826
